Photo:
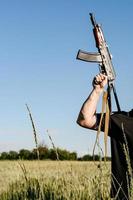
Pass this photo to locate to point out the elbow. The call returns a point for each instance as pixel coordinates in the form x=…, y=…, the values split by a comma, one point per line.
x=85, y=123
x=79, y=122
x=80, y=119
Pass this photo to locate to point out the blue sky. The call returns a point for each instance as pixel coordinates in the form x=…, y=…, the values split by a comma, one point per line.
x=39, y=41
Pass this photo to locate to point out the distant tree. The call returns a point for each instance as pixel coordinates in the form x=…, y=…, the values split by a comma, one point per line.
x=63, y=154
x=96, y=157
x=13, y=155
x=52, y=154
x=25, y=154
x=86, y=157
x=43, y=152
x=46, y=153
x=34, y=154
x=73, y=156
x=4, y=156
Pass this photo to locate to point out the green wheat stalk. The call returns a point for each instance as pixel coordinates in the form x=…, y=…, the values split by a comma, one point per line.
x=34, y=131
x=23, y=168
x=129, y=167
x=57, y=155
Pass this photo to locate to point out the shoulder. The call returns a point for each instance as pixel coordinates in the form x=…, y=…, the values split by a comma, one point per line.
x=131, y=113
x=125, y=113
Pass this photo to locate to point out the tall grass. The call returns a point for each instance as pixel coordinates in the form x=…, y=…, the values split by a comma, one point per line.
x=129, y=166
x=61, y=181
x=34, y=130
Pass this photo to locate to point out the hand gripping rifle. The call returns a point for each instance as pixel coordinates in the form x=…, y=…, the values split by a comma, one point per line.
x=103, y=58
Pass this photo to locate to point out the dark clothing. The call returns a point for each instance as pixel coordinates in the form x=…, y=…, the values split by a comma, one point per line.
x=121, y=134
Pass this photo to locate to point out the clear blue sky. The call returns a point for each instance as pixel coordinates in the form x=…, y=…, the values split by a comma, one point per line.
x=39, y=41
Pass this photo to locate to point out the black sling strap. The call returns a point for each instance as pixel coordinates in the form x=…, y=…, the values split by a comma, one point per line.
x=110, y=88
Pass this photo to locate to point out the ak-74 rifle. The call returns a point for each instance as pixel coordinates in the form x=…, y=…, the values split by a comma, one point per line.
x=103, y=58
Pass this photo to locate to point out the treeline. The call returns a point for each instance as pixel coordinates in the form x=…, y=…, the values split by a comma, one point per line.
x=46, y=154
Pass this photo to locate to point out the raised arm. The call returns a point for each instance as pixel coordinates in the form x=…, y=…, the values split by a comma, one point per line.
x=87, y=115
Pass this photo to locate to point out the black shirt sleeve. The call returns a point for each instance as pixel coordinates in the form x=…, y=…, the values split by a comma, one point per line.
x=98, y=118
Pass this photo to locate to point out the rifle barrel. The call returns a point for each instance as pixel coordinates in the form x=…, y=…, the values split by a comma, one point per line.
x=93, y=19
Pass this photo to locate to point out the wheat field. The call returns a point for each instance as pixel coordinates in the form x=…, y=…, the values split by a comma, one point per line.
x=59, y=180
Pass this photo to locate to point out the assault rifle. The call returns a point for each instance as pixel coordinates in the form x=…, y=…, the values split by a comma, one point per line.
x=103, y=58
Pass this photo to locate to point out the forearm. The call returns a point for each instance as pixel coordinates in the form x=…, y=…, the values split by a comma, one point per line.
x=87, y=116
